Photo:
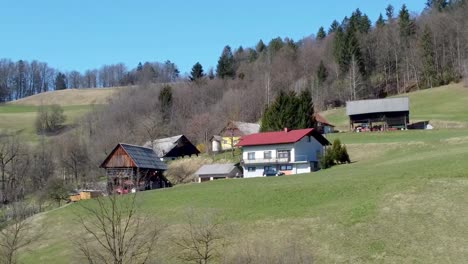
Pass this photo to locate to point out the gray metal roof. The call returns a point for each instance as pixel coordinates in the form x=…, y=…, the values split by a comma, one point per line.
x=377, y=106
x=144, y=157
x=215, y=169
x=164, y=145
x=247, y=128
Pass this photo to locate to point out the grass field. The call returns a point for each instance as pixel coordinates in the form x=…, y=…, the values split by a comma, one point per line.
x=444, y=106
x=402, y=200
x=19, y=116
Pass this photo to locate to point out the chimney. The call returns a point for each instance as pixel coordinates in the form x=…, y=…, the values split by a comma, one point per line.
x=286, y=129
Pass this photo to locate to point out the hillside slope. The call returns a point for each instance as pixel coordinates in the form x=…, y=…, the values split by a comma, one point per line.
x=443, y=106
x=402, y=200
x=69, y=97
x=19, y=116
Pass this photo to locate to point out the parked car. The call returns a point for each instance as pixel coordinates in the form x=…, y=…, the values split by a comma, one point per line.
x=272, y=172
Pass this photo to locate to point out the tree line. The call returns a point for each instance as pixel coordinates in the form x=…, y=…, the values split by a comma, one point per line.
x=22, y=78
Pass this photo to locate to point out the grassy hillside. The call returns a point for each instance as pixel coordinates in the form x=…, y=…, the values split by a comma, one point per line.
x=444, y=106
x=69, y=97
x=402, y=200
x=19, y=116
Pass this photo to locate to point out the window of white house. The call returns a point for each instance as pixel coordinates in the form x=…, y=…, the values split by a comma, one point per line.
x=283, y=154
x=268, y=168
x=251, y=169
x=267, y=154
x=286, y=167
x=251, y=155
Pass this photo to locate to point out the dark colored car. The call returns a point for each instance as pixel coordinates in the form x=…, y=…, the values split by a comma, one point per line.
x=272, y=172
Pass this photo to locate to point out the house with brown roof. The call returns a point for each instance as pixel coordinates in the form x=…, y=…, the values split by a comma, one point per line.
x=287, y=151
x=322, y=125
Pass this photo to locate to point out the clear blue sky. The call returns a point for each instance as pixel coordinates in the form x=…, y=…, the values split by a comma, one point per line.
x=85, y=34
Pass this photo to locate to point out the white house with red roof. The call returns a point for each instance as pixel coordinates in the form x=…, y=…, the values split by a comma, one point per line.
x=287, y=151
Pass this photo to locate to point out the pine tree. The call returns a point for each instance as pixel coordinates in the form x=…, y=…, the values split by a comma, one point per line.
x=60, y=81
x=165, y=101
x=225, y=66
x=427, y=52
x=321, y=34
x=405, y=23
x=333, y=27
x=438, y=5
x=322, y=73
x=389, y=13
x=197, y=72
x=260, y=47
x=305, y=110
x=380, y=21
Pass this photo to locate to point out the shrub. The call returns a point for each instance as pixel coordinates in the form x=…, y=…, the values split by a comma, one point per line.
x=49, y=119
x=343, y=156
x=327, y=160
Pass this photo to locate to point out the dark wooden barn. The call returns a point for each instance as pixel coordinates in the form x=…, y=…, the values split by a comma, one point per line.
x=173, y=147
x=387, y=113
x=134, y=168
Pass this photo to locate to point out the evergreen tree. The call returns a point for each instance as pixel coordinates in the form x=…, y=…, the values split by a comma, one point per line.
x=333, y=27
x=275, y=45
x=380, y=21
x=438, y=5
x=165, y=101
x=322, y=73
x=139, y=67
x=405, y=23
x=389, y=13
x=321, y=34
x=427, y=52
x=253, y=55
x=305, y=110
x=197, y=72
x=60, y=81
x=289, y=111
x=260, y=47
x=225, y=66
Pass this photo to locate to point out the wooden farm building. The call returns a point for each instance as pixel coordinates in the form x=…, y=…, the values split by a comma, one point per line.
x=384, y=113
x=322, y=125
x=134, y=168
x=230, y=134
x=172, y=147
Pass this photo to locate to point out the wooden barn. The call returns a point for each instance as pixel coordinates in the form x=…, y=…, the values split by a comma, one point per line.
x=379, y=114
x=172, y=147
x=134, y=168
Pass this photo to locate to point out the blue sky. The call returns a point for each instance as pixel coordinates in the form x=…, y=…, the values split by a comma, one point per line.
x=83, y=34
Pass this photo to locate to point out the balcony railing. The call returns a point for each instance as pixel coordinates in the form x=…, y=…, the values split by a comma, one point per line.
x=297, y=158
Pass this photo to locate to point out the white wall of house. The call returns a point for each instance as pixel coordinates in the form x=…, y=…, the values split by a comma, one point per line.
x=215, y=145
x=260, y=151
x=302, y=153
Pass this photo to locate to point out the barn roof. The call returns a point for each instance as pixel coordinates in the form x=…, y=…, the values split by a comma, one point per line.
x=322, y=120
x=143, y=157
x=247, y=128
x=400, y=104
x=216, y=169
x=163, y=146
x=280, y=137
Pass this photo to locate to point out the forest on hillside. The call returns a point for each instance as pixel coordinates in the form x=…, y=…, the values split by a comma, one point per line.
x=351, y=59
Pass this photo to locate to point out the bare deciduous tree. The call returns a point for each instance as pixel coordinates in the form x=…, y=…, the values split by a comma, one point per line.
x=116, y=233
x=201, y=239
x=17, y=233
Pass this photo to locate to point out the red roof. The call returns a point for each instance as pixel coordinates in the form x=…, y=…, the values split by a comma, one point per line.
x=280, y=137
x=321, y=119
